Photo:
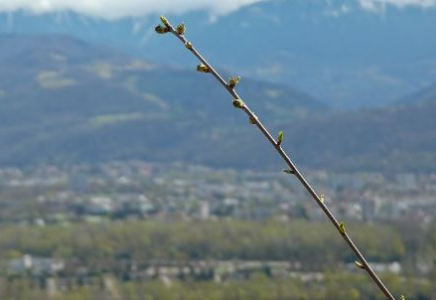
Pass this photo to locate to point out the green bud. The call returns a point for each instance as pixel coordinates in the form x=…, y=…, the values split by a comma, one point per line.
x=161, y=30
x=233, y=81
x=359, y=265
x=188, y=45
x=238, y=103
x=181, y=29
x=402, y=297
x=322, y=198
x=280, y=138
x=289, y=172
x=165, y=21
x=342, y=228
x=202, y=68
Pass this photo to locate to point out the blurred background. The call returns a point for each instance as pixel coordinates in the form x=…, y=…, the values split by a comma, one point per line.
x=125, y=174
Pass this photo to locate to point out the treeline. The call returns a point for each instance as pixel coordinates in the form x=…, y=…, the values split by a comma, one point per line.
x=315, y=245
x=338, y=286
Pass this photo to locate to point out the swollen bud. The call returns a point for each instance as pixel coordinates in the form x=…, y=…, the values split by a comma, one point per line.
x=181, y=29
x=202, y=68
x=342, y=228
x=233, y=81
x=188, y=45
x=238, y=103
x=165, y=21
x=280, y=138
x=402, y=297
x=289, y=172
x=322, y=198
x=161, y=30
x=359, y=265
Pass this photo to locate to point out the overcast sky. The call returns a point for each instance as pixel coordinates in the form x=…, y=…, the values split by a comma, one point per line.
x=112, y=9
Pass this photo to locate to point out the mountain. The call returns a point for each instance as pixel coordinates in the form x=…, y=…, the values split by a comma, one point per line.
x=64, y=100
x=398, y=138
x=427, y=94
x=401, y=138
x=344, y=53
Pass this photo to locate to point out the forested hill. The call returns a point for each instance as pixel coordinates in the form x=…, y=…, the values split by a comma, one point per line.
x=397, y=138
x=349, y=53
x=63, y=100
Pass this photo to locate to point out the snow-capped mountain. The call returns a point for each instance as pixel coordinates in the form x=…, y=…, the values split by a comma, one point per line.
x=347, y=53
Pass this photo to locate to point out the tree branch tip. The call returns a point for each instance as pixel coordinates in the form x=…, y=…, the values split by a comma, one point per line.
x=238, y=103
x=165, y=21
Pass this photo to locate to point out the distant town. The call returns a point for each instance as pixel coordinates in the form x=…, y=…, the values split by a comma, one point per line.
x=110, y=226
x=136, y=189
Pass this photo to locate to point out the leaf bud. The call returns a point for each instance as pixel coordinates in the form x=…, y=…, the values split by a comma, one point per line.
x=359, y=265
x=342, y=228
x=238, y=103
x=202, y=68
x=280, y=138
x=181, y=29
x=289, y=172
x=165, y=21
x=233, y=81
x=161, y=30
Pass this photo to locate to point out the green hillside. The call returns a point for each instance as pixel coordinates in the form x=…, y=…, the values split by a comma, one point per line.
x=63, y=100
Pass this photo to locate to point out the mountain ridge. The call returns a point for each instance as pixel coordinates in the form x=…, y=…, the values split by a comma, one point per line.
x=69, y=101
x=346, y=56
x=98, y=105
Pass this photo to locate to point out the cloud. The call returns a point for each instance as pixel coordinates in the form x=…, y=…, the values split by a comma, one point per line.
x=336, y=12
x=338, y=8
x=377, y=5
x=114, y=9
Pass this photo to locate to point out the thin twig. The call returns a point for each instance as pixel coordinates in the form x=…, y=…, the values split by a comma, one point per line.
x=340, y=226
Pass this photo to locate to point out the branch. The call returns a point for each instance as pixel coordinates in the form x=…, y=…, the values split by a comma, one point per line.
x=205, y=67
